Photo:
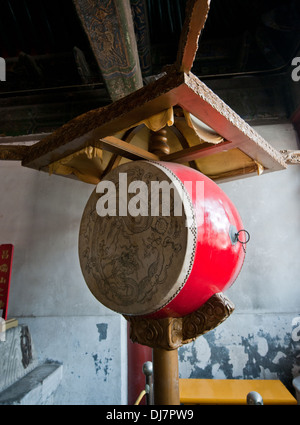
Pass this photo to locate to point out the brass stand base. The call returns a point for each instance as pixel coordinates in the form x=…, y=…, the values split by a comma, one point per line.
x=165, y=377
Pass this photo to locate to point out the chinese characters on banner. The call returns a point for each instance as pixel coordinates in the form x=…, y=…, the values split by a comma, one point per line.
x=6, y=256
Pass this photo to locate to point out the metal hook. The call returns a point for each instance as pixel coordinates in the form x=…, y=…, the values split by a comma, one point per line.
x=247, y=239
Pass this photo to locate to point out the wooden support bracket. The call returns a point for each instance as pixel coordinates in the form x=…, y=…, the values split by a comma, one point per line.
x=173, y=332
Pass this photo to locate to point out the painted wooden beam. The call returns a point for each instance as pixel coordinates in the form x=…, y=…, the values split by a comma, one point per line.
x=13, y=153
x=196, y=15
x=142, y=33
x=291, y=156
x=195, y=152
x=119, y=147
x=110, y=29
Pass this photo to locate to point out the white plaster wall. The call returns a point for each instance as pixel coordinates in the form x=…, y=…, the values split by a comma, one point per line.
x=270, y=209
x=93, y=352
x=41, y=215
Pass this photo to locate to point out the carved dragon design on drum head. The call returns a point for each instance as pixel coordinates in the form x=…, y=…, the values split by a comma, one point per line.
x=131, y=263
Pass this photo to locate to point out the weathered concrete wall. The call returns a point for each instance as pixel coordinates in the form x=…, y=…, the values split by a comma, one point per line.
x=14, y=362
x=260, y=339
x=246, y=346
x=93, y=352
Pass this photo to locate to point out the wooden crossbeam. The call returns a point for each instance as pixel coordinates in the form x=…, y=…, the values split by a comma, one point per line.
x=116, y=146
x=195, y=152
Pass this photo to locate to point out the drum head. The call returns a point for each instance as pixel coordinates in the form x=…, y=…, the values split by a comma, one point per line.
x=135, y=264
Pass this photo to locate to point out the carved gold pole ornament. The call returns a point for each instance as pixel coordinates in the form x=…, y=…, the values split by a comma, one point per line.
x=158, y=143
x=172, y=332
x=290, y=156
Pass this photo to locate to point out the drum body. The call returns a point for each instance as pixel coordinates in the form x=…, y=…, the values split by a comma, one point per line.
x=158, y=240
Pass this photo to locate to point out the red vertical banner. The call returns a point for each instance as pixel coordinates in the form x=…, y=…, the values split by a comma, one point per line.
x=6, y=256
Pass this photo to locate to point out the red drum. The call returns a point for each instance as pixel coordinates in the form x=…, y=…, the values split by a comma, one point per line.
x=159, y=239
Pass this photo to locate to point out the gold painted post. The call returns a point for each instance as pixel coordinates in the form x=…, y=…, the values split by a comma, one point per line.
x=165, y=377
